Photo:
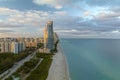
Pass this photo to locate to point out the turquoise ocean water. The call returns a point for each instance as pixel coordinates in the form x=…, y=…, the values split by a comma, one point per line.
x=92, y=59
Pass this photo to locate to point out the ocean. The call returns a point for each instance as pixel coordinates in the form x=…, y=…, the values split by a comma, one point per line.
x=92, y=59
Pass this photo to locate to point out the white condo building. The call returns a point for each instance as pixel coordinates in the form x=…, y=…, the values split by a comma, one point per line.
x=2, y=47
x=7, y=46
x=14, y=47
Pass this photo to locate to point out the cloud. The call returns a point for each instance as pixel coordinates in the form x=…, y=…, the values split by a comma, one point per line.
x=109, y=19
x=6, y=0
x=16, y=34
x=66, y=31
x=100, y=18
x=6, y=31
x=102, y=2
x=16, y=18
x=22, y=20
x=102, y=24
x=58, y=4
x=116, y=31
x=86, y=13
x=7, y=11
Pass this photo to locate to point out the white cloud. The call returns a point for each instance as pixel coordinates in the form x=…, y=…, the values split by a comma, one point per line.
x=74, y=30
x=58, y=4
x=27, y=18
x=16, y=34
x=86, y=13
x=30, y=20
x=34, y=21
x=115, y=31
x=67, y=31
x=62, y=13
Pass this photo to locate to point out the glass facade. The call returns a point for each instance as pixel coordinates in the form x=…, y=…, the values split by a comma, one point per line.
x=50, y=39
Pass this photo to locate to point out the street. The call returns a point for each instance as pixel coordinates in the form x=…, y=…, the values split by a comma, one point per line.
x=10, y=71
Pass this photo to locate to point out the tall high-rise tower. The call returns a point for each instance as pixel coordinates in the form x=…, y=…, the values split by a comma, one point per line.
x=48, y=36
x=45, y=37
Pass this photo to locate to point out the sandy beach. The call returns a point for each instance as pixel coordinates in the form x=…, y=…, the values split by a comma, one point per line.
x=59, y=69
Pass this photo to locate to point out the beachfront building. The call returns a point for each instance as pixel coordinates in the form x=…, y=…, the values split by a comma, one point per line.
x=31, y=44
x=14, y=47
x=2, y=47
x=5, y=47
x=48, y=36
x=17, y=47
x=45, y=37
x=50, y=40
x=21, y=46
x=40, y=40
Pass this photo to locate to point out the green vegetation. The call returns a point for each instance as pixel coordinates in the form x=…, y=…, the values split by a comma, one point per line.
x=25, y=69
x=44, y=55
x=41, y=72
x=27, y=66
x=8, y=59
x=40, y=45
x=55, y=47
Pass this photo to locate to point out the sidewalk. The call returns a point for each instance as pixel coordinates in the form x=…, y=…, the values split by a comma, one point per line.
x=58, y=69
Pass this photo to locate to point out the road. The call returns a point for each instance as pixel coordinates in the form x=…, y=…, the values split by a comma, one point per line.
x=10, y=71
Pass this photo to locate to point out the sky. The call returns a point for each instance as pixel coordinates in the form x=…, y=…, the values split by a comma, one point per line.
x=72, y=18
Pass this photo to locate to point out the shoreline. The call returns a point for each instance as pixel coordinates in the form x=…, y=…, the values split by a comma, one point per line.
x=66, y=64
x=59, y=67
